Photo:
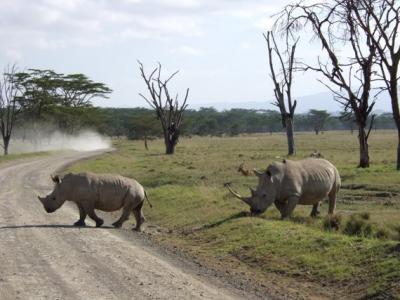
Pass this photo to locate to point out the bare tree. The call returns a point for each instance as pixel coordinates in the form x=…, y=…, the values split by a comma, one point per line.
x=350, y=79
x=380, y=21
x=283, y=86
x=167, y=108
x=9, y=106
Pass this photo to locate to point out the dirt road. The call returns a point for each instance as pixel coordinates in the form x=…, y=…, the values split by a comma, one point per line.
x=43, y=257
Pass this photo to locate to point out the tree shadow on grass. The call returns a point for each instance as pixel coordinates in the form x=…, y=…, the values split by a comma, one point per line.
x=215, y=224
x=52, y=226
x=232, y=217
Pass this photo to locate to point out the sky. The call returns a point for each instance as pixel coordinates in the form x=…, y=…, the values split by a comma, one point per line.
x=217, y=46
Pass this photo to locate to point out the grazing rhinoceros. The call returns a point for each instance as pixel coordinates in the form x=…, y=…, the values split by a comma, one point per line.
x=104, y=192
x=289, y=183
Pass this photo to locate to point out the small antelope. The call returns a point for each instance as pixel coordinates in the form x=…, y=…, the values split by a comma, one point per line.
x=316, y=154
x=244, y=172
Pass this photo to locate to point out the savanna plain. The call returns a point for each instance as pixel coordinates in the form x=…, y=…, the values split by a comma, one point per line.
x=354, y=254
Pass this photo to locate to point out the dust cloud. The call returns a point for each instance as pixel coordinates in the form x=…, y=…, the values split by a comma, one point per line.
x=52, y=140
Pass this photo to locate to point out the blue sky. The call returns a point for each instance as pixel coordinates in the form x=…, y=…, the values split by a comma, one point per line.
x=217, y=45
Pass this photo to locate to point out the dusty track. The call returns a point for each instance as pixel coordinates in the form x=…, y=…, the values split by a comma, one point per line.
x=43, y=257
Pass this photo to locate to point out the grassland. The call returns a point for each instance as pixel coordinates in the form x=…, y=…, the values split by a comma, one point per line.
x=196, y=214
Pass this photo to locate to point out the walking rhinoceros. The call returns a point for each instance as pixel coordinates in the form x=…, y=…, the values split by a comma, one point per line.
x=105, y=192
x=289, y=183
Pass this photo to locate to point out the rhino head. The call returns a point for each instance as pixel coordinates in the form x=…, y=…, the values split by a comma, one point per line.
x=265, y=193
x=54, y=200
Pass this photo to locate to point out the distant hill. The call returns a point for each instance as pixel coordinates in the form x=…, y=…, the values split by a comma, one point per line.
x=322, y=101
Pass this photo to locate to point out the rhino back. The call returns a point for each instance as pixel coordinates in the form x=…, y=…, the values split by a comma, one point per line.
x=311, y=179
x=107, y=191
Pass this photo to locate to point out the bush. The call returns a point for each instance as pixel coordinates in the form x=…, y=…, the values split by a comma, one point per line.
x=332, y=222
x=358, y=225
x=382, y=233
x=365, y=215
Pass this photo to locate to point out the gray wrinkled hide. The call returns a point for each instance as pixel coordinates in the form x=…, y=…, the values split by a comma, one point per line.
x=289, y=183
x=104, y=192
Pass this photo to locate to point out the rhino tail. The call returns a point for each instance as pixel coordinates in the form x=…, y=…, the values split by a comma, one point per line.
x=145, y=194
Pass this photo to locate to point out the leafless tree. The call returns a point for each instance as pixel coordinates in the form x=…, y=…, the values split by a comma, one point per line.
x=350, y=79
x=167, y=108
x=9, y=106
x=380, y=22
x=283, y=85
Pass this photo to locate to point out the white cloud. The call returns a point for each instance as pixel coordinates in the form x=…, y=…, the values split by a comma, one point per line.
x=246, y=45
x=59, y=23
x=264, y=24
x=182, y=3
x=13, y=55
x=187, y=50
x=249, y=10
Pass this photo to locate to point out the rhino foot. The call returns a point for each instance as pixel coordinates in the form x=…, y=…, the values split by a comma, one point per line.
x=80, y=223
x=138, y=229
x=315, y=214
x=117, y=224
x=283, y=217
x=99, y=223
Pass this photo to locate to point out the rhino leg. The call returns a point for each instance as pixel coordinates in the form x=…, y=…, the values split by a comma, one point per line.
x=332, y=201
x=280, y=206
x=126, y=211
x=288, y=209
x=139, y=217
x=82, y=216
x=315, y=211
x=89, y=209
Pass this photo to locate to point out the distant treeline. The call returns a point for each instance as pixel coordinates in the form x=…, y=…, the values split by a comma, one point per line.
x=135, y=123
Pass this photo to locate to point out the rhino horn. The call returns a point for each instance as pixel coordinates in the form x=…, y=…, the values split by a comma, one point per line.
x=252, y=191
x=257, y=172
x=247, y=200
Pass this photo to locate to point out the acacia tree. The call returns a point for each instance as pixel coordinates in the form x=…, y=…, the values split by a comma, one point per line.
x=77, y=90
x=318, y=119
x=46, y=88
x=168, y=110
x=283, y=86
x=9, y=105
x=380, y=22
x=39, y=90
x=350, y=79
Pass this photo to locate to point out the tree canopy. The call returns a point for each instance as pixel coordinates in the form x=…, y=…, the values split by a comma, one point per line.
x=46, y=88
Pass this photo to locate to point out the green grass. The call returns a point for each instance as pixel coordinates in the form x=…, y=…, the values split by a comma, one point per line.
x=190, y=201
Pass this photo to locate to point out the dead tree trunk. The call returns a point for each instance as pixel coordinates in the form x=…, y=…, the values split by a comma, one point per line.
x=396, y=114
x=9, y=106
x=6, y=144
x=290, y=136
x=364, y=153
x=352, y=77
x=380, y=21
x=171, y=139
x=283, y=86
x=167, y=109
x=145, y=142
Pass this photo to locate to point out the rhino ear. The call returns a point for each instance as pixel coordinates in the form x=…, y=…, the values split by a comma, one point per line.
x=56, y=179
x=253, y=192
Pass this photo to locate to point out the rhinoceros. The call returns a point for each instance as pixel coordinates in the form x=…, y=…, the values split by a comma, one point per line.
x=104, y=192
x=289, y=183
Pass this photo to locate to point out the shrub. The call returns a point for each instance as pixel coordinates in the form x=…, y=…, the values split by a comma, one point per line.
x=358, y=225
x=332, y=222
x=365, y=215
x=382, y=233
